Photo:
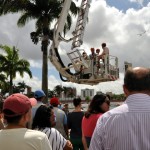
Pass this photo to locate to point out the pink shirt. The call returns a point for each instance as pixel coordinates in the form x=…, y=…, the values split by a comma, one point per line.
x=88, y=124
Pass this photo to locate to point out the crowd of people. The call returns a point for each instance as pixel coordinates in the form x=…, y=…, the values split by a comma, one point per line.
x=29, y=124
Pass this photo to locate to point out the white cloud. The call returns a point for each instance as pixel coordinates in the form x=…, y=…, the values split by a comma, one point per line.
x=106, y=24
x=138, y=1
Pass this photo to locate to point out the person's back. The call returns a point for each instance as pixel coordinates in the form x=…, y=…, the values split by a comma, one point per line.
x=23, y=139
x=15, y=136
x=130, y=123
x=127, y=127
x=61, y=118
x=74, y=123
x=44, y=121
x=39, y=96
x=98, y=105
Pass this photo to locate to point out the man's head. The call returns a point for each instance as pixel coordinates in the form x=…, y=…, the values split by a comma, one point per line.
x=15, y=107
x=39, y=95
x=77, y=101
x=103, y=45
x=97, y=51
x=137, y=80
x=92, y=50
x=54, y=101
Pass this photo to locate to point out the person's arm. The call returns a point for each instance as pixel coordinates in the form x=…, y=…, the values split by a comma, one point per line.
x=68, y=121
x=84, y=142
x=1, y=125
x=65, y=125
x=83, y=137
x=97, y=140
x=68, y=146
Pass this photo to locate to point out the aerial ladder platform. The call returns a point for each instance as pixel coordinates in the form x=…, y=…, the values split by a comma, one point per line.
x=78, y=33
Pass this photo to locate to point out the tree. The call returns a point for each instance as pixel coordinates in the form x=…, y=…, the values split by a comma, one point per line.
x=11, y=64
x=58, y=89
x=65, y=90
x=3, y=81
x=51, y=93
x=44, y=12
x=22, y=86
x=71, y=92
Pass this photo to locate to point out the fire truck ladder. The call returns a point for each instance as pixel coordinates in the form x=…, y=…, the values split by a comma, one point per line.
x=81, y=23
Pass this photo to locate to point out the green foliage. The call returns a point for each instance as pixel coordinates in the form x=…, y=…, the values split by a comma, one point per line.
x=87, y=98
x=44, y=12
x=12, y=64
x=120, y=97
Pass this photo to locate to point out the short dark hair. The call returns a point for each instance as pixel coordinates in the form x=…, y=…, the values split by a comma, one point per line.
x=94, y=107
x=42, y=117
x=103, y=44
x=134, y=81
x=10, y=119
x=76, y=101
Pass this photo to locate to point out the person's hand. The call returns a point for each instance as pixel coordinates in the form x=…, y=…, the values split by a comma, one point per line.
x=68, y=146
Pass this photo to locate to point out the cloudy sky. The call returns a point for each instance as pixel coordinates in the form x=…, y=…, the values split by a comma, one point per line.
x=123, y=24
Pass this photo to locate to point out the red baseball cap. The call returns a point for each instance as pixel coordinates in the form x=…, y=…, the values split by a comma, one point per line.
x=54, y=100
x=18, y=103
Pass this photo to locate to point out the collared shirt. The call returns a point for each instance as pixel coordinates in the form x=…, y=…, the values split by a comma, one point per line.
x=126, y=127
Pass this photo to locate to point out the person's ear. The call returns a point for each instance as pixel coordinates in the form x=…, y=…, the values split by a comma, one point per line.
x=27, y=116
x=126, y=92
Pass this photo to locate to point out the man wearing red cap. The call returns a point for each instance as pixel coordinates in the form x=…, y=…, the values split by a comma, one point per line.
x=61, y=118
x=15, y=136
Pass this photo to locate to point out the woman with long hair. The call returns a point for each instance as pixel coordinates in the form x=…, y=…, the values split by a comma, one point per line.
x=99, y=105
x=44, y=120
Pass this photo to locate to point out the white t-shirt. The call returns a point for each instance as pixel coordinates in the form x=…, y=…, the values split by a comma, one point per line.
x=57, y=141
x=23, y=139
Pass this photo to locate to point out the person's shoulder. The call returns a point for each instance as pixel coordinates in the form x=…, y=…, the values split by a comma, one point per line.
x=54, y=131
x=35, y=133
x=116, y=111
x=61, y=111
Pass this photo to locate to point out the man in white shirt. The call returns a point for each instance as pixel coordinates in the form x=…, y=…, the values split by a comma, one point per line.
x=127, y=127
x=105, y=56
x=15, y=136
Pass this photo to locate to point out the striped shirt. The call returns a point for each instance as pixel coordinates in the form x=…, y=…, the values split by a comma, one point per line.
x=126, y=127
x=57, y=141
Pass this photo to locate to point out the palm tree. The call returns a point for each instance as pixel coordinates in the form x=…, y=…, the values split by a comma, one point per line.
x=58, y=89
x=70, y=92
x=51, y=93
x=65, y=89
x=22, y=86
x=44, y=12
x=11, y=64
x=3, y=82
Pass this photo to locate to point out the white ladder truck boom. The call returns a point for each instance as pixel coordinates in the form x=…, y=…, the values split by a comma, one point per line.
x=85, y=71
x=81, y=23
